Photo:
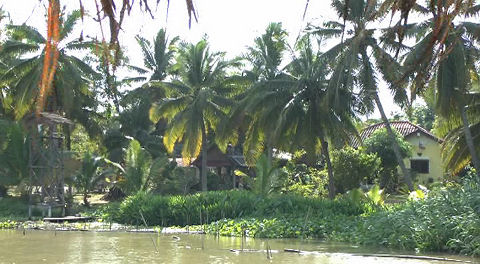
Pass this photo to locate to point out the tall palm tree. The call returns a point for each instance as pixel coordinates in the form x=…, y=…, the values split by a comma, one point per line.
x=455, y=69
x=314, y=115
x=265, y=58
x=157, y=58
x=453, y=80
x=358, y=59
x=301, y=109
x=71, y=94
x=196, y=103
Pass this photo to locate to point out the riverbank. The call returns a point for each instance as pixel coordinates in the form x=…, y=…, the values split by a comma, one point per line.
x=446, y=220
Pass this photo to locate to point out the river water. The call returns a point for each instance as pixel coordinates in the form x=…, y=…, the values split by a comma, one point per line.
x=122, y=247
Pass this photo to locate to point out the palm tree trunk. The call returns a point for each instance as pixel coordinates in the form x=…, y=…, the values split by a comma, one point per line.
x=68, y=137
x=396, y=148
x=331, y=185
x=85, y=199
x=204, y=162
x=111, y=86
x=269, y=154
x=469, y=140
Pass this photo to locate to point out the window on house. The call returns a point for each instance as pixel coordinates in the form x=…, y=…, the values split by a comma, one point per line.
x=420, y=165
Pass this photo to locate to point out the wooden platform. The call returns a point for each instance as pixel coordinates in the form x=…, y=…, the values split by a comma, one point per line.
x=68, y=219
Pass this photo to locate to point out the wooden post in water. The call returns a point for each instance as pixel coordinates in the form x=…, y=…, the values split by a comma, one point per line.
x=305, y=225
x=269, y=251
x=146, y=226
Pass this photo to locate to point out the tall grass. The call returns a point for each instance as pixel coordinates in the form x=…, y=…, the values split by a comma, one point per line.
x=213, y=206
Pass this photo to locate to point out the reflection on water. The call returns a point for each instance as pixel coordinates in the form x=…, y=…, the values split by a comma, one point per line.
x=91, y=247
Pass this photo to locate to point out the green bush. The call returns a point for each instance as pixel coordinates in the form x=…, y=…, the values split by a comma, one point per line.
x=447, y=220
x=11, y=207
x=380, y=143
x=212, y=206
x=9, y=224
x=351, y=167
x=305, y=181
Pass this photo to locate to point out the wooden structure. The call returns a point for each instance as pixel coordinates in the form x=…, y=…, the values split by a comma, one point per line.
x=46, y=167
x=224, y=163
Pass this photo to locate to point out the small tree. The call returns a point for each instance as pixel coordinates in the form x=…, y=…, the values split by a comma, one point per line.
x=268, y=178
x=140, y=169
x=380, y=143
x=352, y=167
x=92, y=172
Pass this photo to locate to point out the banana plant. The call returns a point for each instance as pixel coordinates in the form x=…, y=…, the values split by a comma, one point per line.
x=141, y=169
x=93, y=170
x=267, y=177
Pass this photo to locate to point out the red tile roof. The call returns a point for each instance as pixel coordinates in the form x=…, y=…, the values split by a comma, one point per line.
x=405, y=128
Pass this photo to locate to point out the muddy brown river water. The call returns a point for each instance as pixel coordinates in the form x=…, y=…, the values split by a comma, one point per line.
x=123, y=247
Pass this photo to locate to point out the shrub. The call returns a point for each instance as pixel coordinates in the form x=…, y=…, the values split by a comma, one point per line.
x=305, y=181
x=10, y=207
x=447, y=220
x=352, y=167
x=379, y=142
x=215, y=205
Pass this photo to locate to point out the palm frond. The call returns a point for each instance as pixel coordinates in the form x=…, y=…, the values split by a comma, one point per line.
x=193, y=136
x=15, y=48
x=175, y=131
x=168, y=108
x=29, y=33
x=69, y=23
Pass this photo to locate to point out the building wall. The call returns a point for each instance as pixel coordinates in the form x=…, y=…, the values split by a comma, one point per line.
x=431, y=152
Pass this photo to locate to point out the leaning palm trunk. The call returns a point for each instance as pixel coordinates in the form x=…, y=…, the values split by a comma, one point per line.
x=331, y=185
x=469, y=140
x=204, y=163
x=396, y=148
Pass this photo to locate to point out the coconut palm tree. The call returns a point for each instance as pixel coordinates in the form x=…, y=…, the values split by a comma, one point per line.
x=301, y=110
x=265, y=58
x=453, y=82
x=157, y=58
x=196, y=102
x=359, y=59
x=70, y=95
x=455, y=73
x=312, y=116
x=135, y=121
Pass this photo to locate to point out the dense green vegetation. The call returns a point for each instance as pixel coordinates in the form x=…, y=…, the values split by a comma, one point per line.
x=286, y=113
x=211, y=206
x=446, y=219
